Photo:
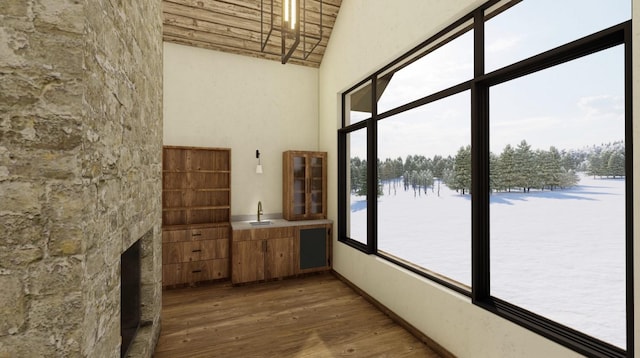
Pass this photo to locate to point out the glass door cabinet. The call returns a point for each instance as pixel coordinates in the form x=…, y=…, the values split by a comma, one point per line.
x=304, y=185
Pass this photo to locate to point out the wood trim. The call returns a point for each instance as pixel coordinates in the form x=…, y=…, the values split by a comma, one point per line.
x=397, y=319
x=235, y=26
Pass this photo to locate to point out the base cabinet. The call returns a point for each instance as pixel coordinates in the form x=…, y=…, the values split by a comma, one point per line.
x=193, y=255
x=274, y=253
x=262, y=254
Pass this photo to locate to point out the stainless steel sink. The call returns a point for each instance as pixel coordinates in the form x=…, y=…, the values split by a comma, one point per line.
x=262, y=222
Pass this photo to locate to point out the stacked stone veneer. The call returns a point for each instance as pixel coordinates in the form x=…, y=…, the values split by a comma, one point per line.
x=80, y=172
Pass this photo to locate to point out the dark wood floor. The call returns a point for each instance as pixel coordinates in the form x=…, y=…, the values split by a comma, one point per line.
x=315, y=316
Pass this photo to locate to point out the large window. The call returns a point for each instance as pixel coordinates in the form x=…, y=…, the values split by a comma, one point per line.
x=502, y=150
x=441, y=65
x=532, y=27
x=357, y=183
x=424, y=205
x=558, y=195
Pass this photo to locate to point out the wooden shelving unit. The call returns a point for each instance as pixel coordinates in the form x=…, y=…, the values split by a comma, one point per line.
x=196, y=208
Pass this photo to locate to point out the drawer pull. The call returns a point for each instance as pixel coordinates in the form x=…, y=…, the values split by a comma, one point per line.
x=198, y=250
x=197, y=234
x=196, y=271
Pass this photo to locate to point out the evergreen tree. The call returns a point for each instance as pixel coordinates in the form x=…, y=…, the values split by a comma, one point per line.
x=447, y=177
x=506, y=168
x=524, y=166
x=406, y=178
x=550, y=168
x=355, y=168
x=568, y=178
x=461, y=180
x=398, y=169
x=415, y=179
x=361, y=188
x=616, y=165
x=438, y=166
x=426, y=179
x=595, y=165
x=604, y=162
x=385, y=172
x=494, y=178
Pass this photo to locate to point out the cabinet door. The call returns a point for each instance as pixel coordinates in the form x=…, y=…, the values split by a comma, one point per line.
x=304, y=185
x=279, y=258
x=248, y=261
x=299, y=185
x=316, y=198
x=313, y=248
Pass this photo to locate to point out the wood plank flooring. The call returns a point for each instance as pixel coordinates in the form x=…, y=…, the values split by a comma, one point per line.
x=315, y=316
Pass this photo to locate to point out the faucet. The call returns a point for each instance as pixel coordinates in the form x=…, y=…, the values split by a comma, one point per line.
x=259, y=210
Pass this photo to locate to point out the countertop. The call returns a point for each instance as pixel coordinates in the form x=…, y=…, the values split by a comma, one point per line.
x=245, y=225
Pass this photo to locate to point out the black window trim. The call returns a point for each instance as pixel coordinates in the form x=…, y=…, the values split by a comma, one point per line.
x=479, y=86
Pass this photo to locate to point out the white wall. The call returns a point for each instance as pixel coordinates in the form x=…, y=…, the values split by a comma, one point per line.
x=216, y=99
x=368, y=34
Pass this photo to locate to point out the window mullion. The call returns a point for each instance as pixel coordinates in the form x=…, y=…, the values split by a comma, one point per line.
x=480, y=285
x=628, y=63
x=372, y=172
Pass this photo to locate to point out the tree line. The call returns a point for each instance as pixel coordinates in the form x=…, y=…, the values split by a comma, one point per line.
x=518, y=168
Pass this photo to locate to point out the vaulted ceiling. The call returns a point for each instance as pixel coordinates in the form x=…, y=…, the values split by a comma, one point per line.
x=235, y=26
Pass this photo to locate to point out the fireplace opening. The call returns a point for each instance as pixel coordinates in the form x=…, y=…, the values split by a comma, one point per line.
x=129, y=296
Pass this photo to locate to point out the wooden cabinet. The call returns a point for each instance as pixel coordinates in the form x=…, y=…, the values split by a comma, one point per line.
x=278, y=252
x=196, y=186
x=304, y=185
x=193, y=255
x=262, y=254
x=196, y=205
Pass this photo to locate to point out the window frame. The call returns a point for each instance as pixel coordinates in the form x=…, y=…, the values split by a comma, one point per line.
x=479, y=86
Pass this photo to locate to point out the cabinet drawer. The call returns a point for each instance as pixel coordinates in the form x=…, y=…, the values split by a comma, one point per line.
x=264, y=233
x=207, y=270
x=177, y=252
x=212, y=233
x=175, y=235
x=195, y=271
x=214, y=249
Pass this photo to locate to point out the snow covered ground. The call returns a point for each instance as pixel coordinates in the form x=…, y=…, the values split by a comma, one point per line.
x=560, y=254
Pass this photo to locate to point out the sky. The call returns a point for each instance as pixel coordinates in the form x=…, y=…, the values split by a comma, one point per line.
x=576, y=104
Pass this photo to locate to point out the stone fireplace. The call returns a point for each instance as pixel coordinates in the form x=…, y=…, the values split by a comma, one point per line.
x=80, y=173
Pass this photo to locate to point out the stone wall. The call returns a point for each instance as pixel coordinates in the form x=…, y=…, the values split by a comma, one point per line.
x=80, y=172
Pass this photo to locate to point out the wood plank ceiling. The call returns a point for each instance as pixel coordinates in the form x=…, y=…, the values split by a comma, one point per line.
x=234, y=26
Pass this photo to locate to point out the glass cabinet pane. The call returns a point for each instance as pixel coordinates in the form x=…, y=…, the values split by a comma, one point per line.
x=316, y=185
x=304, y=193
x=299, y=185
